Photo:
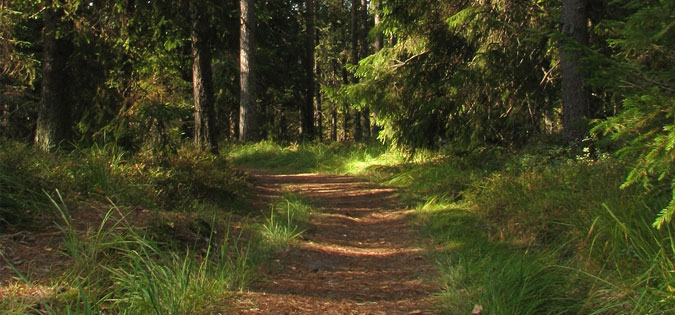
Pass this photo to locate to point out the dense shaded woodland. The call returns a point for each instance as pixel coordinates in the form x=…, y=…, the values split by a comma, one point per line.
x=533, y=140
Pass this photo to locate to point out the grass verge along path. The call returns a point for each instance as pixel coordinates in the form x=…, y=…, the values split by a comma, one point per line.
x=358, y=256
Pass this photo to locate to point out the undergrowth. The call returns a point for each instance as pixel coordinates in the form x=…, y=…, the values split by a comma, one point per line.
x=175, y=234
x=539, y=230
x=180, y=181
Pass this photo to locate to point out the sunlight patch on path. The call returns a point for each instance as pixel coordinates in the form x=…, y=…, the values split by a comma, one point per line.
x=359, y=251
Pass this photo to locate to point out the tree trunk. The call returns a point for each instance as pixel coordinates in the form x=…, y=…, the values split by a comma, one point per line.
x=364, y=53
x=333, y=124
x=4, y=111
x=307, y=112
x=345, y=114
x=248, y=128
x=378, y=46
x=575, y=94
x=202, y=83
x=53, y=120
x=318, y=113
x=378, y=17
x=355, y=60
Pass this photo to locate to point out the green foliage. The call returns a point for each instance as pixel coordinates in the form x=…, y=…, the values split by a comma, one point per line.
x=462, y=74
x=642, y=73
x=646, y=128
x=181, y=181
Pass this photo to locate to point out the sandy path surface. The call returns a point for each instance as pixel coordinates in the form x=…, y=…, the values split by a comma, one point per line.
x=360, y=255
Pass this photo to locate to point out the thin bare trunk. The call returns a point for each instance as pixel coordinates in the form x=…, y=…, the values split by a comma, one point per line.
x=4, y=112
x=345, y=114
x=378, y=19
x=378, y=46
x=355, y=60
x=364, y=54
x=318, y=113
x=248, y=128
x=307, y=112
x=333, y=124
x=202, y=83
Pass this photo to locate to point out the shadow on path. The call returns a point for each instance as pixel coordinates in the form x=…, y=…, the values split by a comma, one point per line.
x=361, y=256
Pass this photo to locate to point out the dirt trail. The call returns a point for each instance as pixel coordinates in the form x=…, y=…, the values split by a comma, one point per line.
x=360, y=255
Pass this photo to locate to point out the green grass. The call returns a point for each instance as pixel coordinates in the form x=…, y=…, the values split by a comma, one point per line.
x=183, y=181
x=118, y=269
x=313, y=157
x=192, y=249
x=538, y=230
x=287, y=220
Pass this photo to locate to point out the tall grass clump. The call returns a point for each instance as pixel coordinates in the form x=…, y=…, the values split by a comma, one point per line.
x=118, y=269
x=545, y=221
x=23, y=172
x=629, y=262
x=287, y=220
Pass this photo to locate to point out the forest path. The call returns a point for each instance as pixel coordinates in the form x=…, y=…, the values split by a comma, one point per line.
x=359, y=256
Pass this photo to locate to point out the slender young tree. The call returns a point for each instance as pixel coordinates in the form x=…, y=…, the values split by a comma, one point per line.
x=202, y=82
x=307, y=112
x=53, y=121
x=318, y=112
x=345, y=106
x=377, y=7
x=377, y=19
x=248, y=129
x=356, y=21
x=363, y=53
x=575, y=100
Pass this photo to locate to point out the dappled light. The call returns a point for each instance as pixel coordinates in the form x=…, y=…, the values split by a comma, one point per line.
x=359, y=254
x=337, y=157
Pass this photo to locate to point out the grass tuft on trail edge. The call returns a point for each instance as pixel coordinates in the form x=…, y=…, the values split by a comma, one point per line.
x=288, y=218
x=539, y=230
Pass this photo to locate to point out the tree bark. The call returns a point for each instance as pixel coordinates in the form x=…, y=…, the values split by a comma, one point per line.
x=355, y=60
x=248, y=129
x=363, y=54
x=307, y=112
x=4, y=110
x=378, y=18
x=53, y=121
x=575, y=94
x=318, y=114
x=345, y=114
x=202, y=82
x=378, y=46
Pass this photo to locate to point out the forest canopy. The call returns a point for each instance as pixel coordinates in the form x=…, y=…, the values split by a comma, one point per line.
x=413, y=74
